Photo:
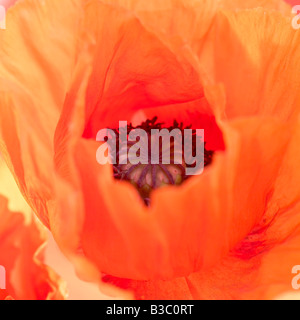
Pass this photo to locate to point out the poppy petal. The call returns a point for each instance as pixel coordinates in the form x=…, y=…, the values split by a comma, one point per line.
x=267, y=80
x=33, y=87
x=21, y=250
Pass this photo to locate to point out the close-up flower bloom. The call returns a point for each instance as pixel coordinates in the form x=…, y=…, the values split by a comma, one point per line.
x=69, y=68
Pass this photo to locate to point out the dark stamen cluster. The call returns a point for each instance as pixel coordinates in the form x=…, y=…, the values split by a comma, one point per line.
x=147, y=177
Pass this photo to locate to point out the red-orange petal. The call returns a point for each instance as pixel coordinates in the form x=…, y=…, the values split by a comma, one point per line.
x=21, y=251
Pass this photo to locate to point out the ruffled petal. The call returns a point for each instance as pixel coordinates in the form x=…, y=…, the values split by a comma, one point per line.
x=33, y=86
x=21, y=251
x=257, y=61
x=146, y=75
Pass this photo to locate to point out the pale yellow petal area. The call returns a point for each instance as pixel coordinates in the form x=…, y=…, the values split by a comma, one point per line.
x=9, y=189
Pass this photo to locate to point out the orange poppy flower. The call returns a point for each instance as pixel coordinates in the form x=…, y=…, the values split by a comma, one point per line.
x=23, y=275
x=71, y=68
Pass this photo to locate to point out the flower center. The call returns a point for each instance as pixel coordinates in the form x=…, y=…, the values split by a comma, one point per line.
x=160, y=157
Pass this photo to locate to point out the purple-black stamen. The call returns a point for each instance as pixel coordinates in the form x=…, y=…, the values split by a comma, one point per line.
x=148, y=177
